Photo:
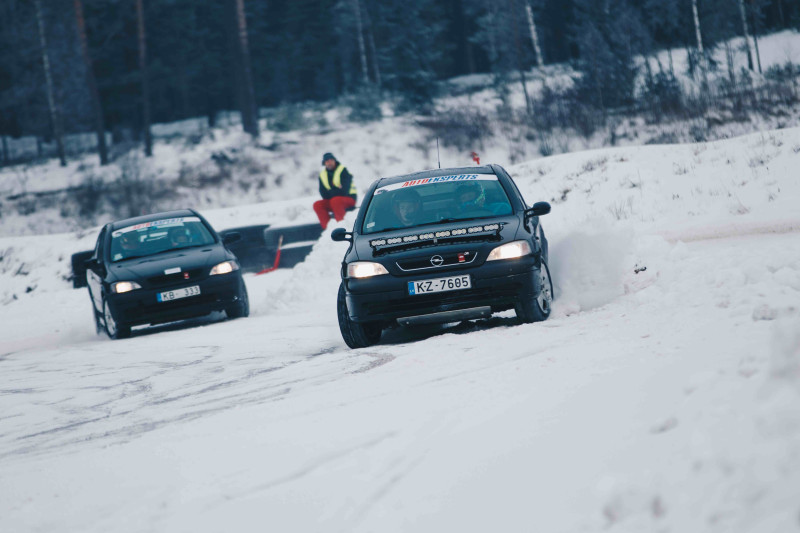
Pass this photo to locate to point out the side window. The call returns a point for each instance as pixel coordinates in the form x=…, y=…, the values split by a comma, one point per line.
x=98, y=247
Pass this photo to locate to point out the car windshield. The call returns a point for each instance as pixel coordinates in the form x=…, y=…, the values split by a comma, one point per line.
x=432, y=200
x=157, y=236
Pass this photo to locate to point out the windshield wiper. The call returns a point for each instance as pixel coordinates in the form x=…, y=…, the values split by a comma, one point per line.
x=462, y=219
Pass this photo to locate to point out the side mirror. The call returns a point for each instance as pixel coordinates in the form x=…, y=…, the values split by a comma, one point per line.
x=538, y=209
x=90, y=263
x=340, y=234
x=231, y=238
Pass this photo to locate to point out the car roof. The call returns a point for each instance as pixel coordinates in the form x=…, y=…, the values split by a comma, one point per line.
x=117, y=224
x=435, y=173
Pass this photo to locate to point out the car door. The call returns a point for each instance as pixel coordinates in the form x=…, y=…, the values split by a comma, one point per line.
x=96, y=272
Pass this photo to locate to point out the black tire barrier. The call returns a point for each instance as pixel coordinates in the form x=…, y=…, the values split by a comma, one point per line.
x=251, y=251
x=292, y=234
x=292, y=255
x=79, y=268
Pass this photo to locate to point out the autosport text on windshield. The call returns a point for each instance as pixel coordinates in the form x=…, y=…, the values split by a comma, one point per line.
x=440, y=179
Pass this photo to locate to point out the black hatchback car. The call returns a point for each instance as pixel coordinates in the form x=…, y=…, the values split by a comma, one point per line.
x=162, y=268
x=442, y=246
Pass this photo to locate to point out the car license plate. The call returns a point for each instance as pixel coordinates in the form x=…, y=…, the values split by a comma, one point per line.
x=427, y=286
x=168, y=296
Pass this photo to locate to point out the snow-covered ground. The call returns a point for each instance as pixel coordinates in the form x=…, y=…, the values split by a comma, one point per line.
x=667, y=400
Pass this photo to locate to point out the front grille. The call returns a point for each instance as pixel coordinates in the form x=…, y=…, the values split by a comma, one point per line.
x=414, y=305
x=425, y=262
x=195, y=274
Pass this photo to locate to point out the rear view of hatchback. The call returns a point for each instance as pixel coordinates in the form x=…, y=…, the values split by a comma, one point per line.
x=442, y=246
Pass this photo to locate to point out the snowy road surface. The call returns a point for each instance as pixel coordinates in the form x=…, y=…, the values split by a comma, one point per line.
x=667, y=400
x=587, y=420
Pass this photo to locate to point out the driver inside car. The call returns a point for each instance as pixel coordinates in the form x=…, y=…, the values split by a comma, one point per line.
x=179, y=237
x=129, y=242
x=470, y=196
x=407, y=206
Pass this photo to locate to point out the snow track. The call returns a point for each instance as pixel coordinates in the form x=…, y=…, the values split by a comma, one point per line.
x=661, y=400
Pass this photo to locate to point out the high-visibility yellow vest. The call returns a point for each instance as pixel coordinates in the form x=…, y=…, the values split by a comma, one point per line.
x=337, y=179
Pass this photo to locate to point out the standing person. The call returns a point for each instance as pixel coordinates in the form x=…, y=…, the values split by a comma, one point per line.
x=337, y=190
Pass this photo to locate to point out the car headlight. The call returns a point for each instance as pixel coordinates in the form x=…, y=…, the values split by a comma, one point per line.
x=124, y=286
x=511, y=250
x=365, y=269
x=226, y=267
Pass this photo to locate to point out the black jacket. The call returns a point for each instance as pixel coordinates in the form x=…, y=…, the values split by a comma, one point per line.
x=347, y=180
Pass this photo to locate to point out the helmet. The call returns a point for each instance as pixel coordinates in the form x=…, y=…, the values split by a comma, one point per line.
x=406, y=204
x=129, y=240
x=406, y=196
x=470, y=195
x=179, y=235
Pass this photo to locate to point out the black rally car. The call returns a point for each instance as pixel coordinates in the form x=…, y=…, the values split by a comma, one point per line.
x=442, y=246
x=161, y=268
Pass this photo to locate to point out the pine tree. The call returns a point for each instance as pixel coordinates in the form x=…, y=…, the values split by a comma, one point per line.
x=55, y=115
x=142, y=40
x=249, y=108
x=91, y=83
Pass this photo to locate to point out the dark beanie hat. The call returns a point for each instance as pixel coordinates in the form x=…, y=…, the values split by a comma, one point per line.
x=327, y=156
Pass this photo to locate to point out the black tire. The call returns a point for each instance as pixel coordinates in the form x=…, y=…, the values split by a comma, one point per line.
x=114, y=329
x=355, y=334
x=241, y=309
x=537, y=309
x=99, y=327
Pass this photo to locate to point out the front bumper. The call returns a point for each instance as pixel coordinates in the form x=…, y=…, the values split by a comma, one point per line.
x=499, y=285
x=217, y=293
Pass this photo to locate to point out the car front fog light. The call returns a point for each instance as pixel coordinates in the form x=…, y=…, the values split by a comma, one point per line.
x=512, y=250
x=125, y=286
x=225, y=267
x=365, y=269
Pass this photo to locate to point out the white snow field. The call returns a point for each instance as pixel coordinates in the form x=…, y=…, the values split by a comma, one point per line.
x=667, y=400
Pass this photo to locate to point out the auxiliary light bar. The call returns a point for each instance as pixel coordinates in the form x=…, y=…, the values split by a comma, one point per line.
x=434, y=236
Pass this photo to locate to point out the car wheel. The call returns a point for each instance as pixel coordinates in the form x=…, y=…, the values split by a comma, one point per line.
x=355, y=334
x=114, y=329
x=241, y=309
x=538, y=309
x=98, y=322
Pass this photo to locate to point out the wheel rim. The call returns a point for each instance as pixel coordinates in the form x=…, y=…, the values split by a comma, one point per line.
x=545, y=298
x=111, y=325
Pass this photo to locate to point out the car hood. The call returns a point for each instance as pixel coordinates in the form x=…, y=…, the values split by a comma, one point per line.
x=203, y=257
x=492, y=230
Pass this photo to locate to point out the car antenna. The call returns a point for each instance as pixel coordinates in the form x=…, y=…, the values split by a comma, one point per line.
x=438, y=157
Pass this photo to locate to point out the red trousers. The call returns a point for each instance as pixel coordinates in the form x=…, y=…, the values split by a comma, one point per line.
x=338, y=205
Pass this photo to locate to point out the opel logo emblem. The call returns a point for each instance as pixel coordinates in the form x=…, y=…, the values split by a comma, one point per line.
x=437, y=260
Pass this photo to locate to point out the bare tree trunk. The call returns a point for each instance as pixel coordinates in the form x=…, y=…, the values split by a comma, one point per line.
x=755, y=38
x=699, y=37
x=729, y=60
x=746, y=35
x=493, y=50
x=249, y=111
x=374, y=51
x=512, y=10
x=55, y=116
x=94, y=95
x=780, y=13
x=360, y=31
x=534, y=34
x=6, y=157
x=148, y=137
